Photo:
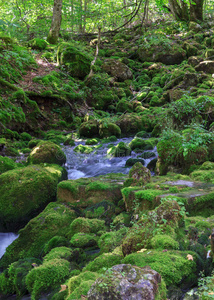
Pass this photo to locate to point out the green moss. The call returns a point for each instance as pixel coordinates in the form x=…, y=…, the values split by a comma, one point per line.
x=92, y=141
x=203, y=175
x=80, y=285
x=38, y=44
x=59, y=253
x=164, y=241
x=110, y=129
x=6, y=164
x=110, y=240
x=56, y=241
x=84, y=225
x=103, y=262
x=84, y=240
x=47, y=277
x=120, y=150
x=54, y=220
x=17, y=187
x=174, y=266
x=47, y=152
x=83, y=149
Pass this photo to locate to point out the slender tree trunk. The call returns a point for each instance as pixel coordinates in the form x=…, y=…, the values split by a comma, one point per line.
x=196, y=11
x=80, y=18
x=56, y=22
x=84, y=16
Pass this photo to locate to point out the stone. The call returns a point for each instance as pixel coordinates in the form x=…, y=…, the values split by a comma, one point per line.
x=117, y=69
x=140, y=174
x=206, y=66
x=125, y=282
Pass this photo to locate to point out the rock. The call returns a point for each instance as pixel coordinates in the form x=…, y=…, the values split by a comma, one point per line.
x=107, y=130
x=24, y=192
x=121, y=150
x=195, y=27
x=38, y=44
x=54, y=220
x=131, y=161
x=6, y=164
x=89, y=129
x=130, y=123
x=117, y=69
x=85, y=192
x=47, y=152
x=124, y=282
x=76, y=62
x=193, y=61
x=140, y=174
x=206, y=66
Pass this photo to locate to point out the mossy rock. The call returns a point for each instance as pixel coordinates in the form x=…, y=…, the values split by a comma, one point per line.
x=121, y=150
x=110, y=240
x=131, y=161
x=117, y=69
x=142, y=134
x=85, y=192
x=76, y=62
x=6, y=164
x=84, y=225
x=47, y=152
x=24, y=192
x=163, y=241
x=147, y=155
x=174, y=266
x=56, y=242
x=89, y=129
x=130, y=123
x=83, y=149
x=84, y=240
x=38, y=44
x=54, y=220
x=124, y=106
x=79, y=285
x=107, y=130
x=166, y=216
x=92, y=141
x=105, y=260
x=124, y=281
x=47, y=277
x=139, y=174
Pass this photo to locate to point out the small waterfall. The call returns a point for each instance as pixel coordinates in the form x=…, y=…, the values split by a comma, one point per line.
x=5, y=240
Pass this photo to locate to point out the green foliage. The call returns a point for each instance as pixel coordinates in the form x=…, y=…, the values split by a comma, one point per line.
x=47, y=276
x=84, y=225
x=103, y=262
x=6, y=164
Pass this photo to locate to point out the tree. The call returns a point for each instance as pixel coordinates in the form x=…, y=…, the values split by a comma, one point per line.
x=187, y=11
x=56, y=22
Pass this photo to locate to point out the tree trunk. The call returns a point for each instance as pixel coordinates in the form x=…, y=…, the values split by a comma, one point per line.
x=56, y=22
x=187, y=12
x=196, y=11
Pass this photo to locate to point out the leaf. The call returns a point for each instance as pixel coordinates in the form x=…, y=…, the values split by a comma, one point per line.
x=189, y=257
x=141, y=250
x=63, y=288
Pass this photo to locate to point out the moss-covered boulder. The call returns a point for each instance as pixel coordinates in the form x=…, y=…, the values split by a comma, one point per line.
x=24, y=192
x=78, y=286
x=164, y=219
x=6, y=164
x=38, y=44
x=105, y=260
x=139, y=175
x=130, y=123
x=110, y=240
x=54, y=220
x=117, y=69
x=89, y=129
x=107, y=130
x=47, y=152
x=120, y=150
x=174, y=266
x=83, y=149
x=206, y=66
x=125, y=281
x=85, y=192
x=76, y=62
x=131, y=161
x=47, y=277
x=85, y=225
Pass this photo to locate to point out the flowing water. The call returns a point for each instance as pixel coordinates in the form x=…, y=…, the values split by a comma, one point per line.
x=5, y=240
x=98, y=162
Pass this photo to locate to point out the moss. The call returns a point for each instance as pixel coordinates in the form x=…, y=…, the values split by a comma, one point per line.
x=38, y=44
x=56, y=241
x=130, y=123
x=92, y=141
x=164, y=241
x=76, y=62
x=6, y=164
x=83, y=149
x=84, y=240
x=124, y=106
x=107, y=130
x=33, y=143
x=47, y=152
x=80, y=285
x=89, y=129
x=120, y=150
x=84, y=225
x=110, y=240
x=103, y=262
x=54, y=220
x=203, y=175
x=131, y=161
x=59, y=253
x=140, y=174
x=17, y=187
x=47, y=277
x=201, y=205
x=174, y=266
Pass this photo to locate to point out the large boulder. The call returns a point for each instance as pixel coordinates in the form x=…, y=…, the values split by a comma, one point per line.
x=89, y=129
x=120, y=150
x=47, y=152
x=130, y=123
x=206, y=66
x=139, y=174
x=53, y=221
x=23, y=193
x=76, y=62
x=117, y=69
x=123, y=282
x=6, y=164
